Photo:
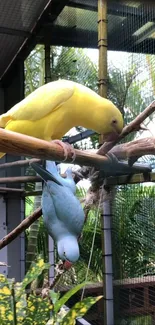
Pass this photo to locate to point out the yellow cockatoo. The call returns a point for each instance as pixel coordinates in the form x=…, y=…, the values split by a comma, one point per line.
x=54, y=108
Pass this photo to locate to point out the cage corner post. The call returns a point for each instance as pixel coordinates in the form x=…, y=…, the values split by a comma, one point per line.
x=106, y=208
x=13, y=205
x=48, y=78
x=106, y=223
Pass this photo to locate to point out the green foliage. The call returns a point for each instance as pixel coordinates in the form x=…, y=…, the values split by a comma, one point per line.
x=65, y=298
x=16, y=308
x=134, y=232
x=79, y=310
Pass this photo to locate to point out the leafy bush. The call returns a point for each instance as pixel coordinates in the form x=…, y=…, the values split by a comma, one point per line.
x=18, y=308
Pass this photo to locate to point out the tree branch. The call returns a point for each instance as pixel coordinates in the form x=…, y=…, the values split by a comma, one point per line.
x=135, y=148
x=19, y=163
x=20, y=228
x=133, y=126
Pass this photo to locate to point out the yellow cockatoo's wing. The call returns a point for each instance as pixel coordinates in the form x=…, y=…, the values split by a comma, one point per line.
x=41, y=102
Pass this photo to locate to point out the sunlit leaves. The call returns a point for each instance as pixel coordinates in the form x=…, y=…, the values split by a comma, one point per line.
x=79, y=310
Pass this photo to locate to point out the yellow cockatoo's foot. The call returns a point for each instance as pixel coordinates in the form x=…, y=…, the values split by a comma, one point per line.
x=67, y=149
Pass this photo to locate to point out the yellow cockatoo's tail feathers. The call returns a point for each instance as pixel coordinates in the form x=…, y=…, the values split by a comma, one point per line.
x=41, y=102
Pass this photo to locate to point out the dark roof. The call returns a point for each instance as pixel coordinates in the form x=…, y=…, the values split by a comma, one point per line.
x=131, y=26
x=77, y=25
x=17, y=21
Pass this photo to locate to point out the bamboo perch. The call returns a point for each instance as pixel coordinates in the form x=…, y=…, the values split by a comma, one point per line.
x=20, y=228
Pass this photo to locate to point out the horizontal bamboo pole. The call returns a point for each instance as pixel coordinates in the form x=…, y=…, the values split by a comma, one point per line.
x=23, y=145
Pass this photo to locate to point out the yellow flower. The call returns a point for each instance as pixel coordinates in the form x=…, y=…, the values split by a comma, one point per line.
x=2, y=278
x=20, y=318
x=41, y=263
x=5, y=291
x=2, y=310
x=19, y=304
x=10, y=317
x=32, y=308
x=29, y=303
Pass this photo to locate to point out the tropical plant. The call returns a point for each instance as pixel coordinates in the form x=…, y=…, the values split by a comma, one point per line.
x=17, y=308
x=134, y=232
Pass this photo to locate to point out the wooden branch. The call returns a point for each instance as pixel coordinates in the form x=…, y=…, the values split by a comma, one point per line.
x=20, y=179
x=12, y=190
x=19, y=163
x=19, y=144
x=20, y=228
x=131, y=127
x=138, y=148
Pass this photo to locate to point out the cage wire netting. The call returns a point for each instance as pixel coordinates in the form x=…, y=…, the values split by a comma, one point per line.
x=133, y=238
x=133, y=230
x=131, y=86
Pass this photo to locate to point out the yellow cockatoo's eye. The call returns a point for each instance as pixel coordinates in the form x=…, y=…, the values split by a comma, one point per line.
x=114, y=122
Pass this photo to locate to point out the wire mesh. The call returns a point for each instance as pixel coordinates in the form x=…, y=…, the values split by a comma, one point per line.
x=133, y=254
x=16, y=18
x=131, y=75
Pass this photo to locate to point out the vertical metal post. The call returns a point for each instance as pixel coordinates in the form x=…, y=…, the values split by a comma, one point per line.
x=12, y=208
x=102, y=46
x=106, y=215
x=50, y=240
x=3, y=232
x=107, y=261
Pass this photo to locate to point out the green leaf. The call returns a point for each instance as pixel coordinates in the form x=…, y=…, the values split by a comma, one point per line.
x=35, y=270
x=79, y=310
x=38, y=310
x=54, y=296
x=68, y=295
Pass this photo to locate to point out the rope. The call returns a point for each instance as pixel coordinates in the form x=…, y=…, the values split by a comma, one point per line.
x=93, y=241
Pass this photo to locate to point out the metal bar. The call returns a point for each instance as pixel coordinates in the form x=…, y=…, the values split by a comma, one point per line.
x=16, y=32
x=114, y=8
x=51, y=272
x=3, y=233
x=78, y=137
x=107, y=261
x=131, y=179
